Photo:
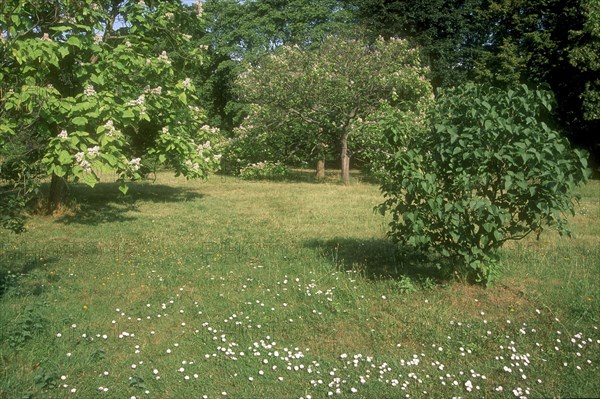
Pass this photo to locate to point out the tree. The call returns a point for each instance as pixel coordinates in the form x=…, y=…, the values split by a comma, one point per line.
x=505, y=43
x=82, y=94
x=306, y=102
x=549, y=41
x=447, y=31
x=487, y=166
x=246, y=30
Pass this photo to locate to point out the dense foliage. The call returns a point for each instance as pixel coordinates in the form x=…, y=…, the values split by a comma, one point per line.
x=306, y=103
x=488, y=166
x=82, y=96
x=505, y=43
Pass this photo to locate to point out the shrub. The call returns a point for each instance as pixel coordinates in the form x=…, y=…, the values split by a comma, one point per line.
x=264, y=170
x=490, y=167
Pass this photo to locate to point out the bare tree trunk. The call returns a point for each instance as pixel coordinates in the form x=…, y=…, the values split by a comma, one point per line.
x=57, y=197
x=345, y=157
x=320, y=174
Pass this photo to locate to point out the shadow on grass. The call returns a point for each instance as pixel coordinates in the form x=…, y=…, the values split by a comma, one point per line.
x=378, y=259
x=106, y=204
x=15, y=264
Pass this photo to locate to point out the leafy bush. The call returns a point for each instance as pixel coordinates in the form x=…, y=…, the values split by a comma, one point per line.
x=487, y=167
x=264, y=170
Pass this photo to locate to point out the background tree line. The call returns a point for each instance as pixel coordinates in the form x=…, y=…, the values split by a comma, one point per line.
x=503, y=42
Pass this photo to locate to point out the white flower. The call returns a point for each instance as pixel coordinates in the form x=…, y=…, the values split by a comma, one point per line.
x=135, y=164
x=46, y=38
x=86, y=165
x=98, y=39
x=94, y=151
x=187, y=82
x=63, y=134
x=164, y=57
x=169, y=15
x=89, y=91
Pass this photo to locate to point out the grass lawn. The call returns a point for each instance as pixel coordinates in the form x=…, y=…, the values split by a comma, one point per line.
x=235, y=289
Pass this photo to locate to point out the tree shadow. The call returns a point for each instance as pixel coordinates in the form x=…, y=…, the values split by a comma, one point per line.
x=15, y=264
x=106, y=204
x=378, y=259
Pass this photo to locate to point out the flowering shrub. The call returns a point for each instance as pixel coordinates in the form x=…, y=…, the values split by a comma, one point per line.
x=264, y=170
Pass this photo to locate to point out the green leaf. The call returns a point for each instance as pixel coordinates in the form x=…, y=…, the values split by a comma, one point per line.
x=128, y=114
x=183, y=98
x=74, y=41
x=60, y=170
x=64, y=157
x=63, y=51
x=79, y=121
x=162, y=158
x=124, y=188
x=90, y=179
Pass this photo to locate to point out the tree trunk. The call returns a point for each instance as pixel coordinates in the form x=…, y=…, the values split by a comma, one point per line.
x=345, y=159
x=320, y=174
x=57, y=197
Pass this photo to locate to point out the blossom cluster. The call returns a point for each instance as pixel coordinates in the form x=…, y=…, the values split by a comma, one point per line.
x=135, y=164
x=89, y=91
x=164, y=58
x=109, y=126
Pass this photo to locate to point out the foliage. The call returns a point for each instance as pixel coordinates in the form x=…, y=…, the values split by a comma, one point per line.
x=444, y=31
x=489, y=168
x=584, y=55
x=264, y=170
x=306, y=103
x=246, y=30
x=84, y=97
x=505, y=43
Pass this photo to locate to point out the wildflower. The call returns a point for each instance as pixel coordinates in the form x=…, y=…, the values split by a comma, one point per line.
x=63, y=134
x=98, y=39
x=187, y=82
x=169, y=15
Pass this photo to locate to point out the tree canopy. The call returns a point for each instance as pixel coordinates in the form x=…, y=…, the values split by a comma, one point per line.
x=307, y=102
x=83, y=94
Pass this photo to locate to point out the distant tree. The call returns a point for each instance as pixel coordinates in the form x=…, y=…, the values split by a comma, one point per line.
x=246, y=30
x=447, y=31
x=307, y=101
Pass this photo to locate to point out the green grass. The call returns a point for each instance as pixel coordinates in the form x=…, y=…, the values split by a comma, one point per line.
x=283, y=290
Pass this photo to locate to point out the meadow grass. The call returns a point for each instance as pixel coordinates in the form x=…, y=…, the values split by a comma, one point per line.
x=229, y=288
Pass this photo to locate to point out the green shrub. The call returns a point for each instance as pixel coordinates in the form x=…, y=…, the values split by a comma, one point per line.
x=264, y=170
x=489, y=167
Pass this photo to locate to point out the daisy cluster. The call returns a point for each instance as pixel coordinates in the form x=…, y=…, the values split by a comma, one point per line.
x=187, y=343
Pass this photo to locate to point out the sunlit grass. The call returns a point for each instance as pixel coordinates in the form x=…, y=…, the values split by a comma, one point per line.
x=231, y=288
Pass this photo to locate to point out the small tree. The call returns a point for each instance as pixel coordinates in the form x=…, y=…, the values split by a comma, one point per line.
x=307, y=102
x=487, y=167
x=82, y=95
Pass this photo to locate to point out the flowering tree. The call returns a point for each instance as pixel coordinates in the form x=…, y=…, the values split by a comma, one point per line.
x=100, y=86
x=307, y=101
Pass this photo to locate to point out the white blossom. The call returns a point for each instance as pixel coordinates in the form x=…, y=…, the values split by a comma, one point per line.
x=63, y=134
x=89, y=91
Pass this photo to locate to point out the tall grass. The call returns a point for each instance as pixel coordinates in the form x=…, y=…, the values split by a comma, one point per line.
x=241, y=289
